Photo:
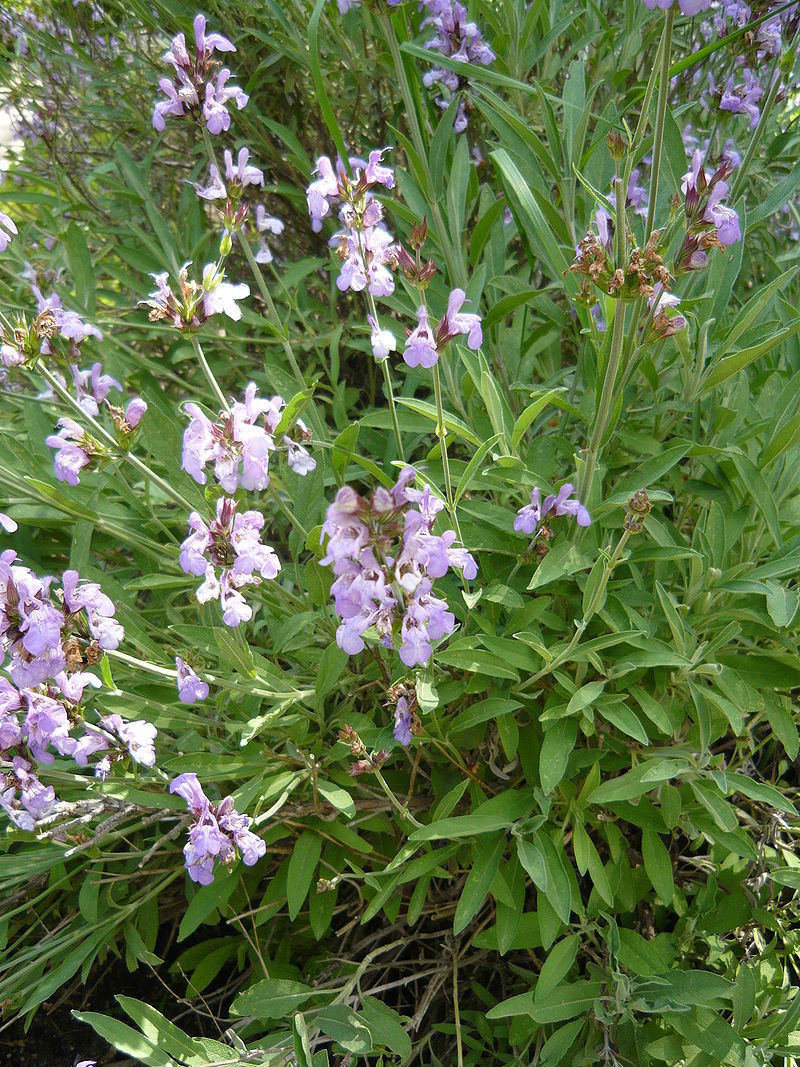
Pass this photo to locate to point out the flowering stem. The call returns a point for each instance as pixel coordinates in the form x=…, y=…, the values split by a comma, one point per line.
x=591, y=608
x=441, y=434
x=617, y=336
x=212, y=381
x=393, y=799
x=758, y=132
x=292, y=518
x=661, y=115
x=455, y=266
x=275, y=322
x=279, y=327
x=390, y=394
x=105, y=436
x=384, y=365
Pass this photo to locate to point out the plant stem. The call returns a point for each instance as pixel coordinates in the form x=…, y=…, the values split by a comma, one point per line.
x=591, y=608
x=276, y=323
x=617, y=336
x=212, y=381
x=390, y=393
x=384, y=366
x=280, y=329
x=452, y=254
x=100, y=432
x=758, y=132
x=441, y=433
x=393, y=799
x=661, y=115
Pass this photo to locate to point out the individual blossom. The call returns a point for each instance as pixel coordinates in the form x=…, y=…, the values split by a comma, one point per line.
x=423, y=344
x=219, y=296
x=74, y=450
x=743, y=98
x=665, y=321
x=297, y=457
x=191, y=688
x=138, y=737
x=229, y=554
x=92, y=387
x=23, y=797
x=384, y=557
x=266, y=224
x=7, y=523
x=82, y=596
x=8, y=230
x=58, y=321
x=237, y=177
x=706, y=215
x=217, y=832
x=530, y=517
x=383, y=341
x=366, y=257
x=420, y=348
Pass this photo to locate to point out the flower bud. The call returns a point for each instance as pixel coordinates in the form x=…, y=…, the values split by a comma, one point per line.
x=616, y=145
x=419, y=232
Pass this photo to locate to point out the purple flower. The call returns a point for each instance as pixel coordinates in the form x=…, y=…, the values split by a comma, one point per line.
x=384, y=556
x=322, y=192
x=220, y=296
x=216, y=832
x=687, y=7
x=183, y=94
x=92, y=387
x=7, y=523
x=71, y=457
x=402, y=722
x=8, y=231
x=239, y=448
x=531, y=515
x=191, y=688
x=23, y=797
x=420, y=349
x=89, y=597
x=217, y=98
x=134, y=412
x=138, y=737
x=460, y=40
x=456, y=322
x=208, y=43
x=46, y=724
x=232, y=543
x=375, y=173
x=743, y=99
x=383, y=341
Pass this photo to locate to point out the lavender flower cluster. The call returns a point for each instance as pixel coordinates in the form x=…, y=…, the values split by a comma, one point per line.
x=197, y=88
x=457, y=38
x=228, y=551
x=50, y=635
x=385, y=558
x=217, y=832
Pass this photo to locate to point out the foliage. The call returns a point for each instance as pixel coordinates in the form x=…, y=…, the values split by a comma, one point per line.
x=586, y=852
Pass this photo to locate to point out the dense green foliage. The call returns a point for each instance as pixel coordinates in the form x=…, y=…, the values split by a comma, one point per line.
x=587, y=853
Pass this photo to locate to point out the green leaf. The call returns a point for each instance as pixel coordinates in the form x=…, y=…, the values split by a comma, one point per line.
x=345, y=1027
x=658, y=865
x=557, y=746
x=530, y=413
x=782, y=604
x=737, y=361
x=271, y=998
x=208, y=898
x=80, y=265
x=452, y=424
x=386, y=1026
x=302, y=866
x=465, y=480
x=481, y=875
x=125, y=1039
x=557, y=966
